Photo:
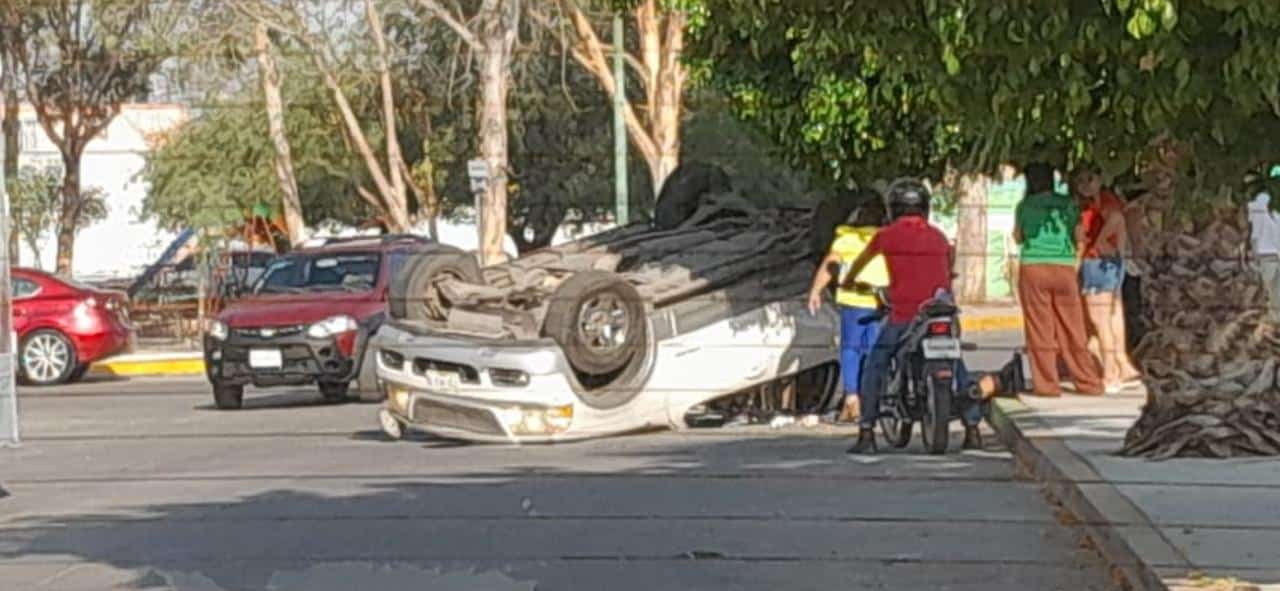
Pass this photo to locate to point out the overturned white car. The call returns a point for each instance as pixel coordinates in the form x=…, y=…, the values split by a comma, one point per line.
x=640, y=327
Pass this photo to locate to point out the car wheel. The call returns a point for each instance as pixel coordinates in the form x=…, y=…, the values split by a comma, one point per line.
x=414, y=293
x=79, y=372
x=367, y=380
x=48, y=358
x=335, y=391
x=597, y=318
x=683, y=190
x=826, y=216
x=228, y=397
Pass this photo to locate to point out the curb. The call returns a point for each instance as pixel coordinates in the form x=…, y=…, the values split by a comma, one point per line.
x=990, y=323
x=186, y=365
x=1120, y=531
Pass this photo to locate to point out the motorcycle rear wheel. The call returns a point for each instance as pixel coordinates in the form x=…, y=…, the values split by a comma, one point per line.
x=935, y=425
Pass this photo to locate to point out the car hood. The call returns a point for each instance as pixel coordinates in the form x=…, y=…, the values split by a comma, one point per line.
x=295, y=309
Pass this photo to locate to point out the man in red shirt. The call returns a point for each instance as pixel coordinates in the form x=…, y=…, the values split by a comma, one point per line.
x=919, y=259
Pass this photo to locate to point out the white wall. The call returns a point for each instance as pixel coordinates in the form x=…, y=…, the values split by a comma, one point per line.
x=120, y=245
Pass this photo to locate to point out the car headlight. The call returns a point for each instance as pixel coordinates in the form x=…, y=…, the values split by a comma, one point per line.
x=218, y=330
x=332, y=326
x=537, y=421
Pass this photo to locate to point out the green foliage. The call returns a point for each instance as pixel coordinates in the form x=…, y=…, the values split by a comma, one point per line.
x=36, y=200
x=908, y=87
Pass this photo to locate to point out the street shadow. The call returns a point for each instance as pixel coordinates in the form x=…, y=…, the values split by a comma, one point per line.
x=550, y=523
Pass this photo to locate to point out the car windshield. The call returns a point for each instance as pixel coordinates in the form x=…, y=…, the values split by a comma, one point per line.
x=320, y=272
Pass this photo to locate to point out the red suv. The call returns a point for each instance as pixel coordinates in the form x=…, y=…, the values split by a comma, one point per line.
x=63, y=326
x=306, y=320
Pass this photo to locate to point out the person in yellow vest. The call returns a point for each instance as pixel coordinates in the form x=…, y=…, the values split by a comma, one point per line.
x=856, y=336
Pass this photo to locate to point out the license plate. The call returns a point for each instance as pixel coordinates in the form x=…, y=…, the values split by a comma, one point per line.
x=445, y=382
x=265, y=359
x=941, y=348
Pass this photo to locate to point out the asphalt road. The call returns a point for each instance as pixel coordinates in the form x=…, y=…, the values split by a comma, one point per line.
x=140, y=484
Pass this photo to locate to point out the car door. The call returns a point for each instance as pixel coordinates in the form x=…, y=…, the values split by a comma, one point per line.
x=24, y=303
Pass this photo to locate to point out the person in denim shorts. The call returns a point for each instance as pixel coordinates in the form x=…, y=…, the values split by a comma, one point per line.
x=1101, y=238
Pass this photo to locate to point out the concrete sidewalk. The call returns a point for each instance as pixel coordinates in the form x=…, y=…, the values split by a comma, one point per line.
x=1176, y=524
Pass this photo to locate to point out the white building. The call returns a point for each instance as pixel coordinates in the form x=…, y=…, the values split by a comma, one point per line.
x=122, y=244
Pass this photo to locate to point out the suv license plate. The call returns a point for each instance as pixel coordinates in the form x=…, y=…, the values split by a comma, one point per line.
x=941, y=348
x=265, y=359
x=444, y=382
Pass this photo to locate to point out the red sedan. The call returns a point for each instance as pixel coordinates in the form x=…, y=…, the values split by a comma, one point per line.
x=63, y=326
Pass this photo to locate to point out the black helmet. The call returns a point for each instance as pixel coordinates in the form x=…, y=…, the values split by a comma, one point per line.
x=908, y=196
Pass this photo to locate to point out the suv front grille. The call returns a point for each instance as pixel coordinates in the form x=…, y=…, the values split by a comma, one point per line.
x=268, y=332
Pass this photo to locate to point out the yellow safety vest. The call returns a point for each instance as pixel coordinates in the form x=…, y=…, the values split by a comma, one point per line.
x=849, y=243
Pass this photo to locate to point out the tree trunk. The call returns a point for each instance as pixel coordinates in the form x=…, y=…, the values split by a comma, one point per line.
x=498, y=29
x=1209, y=361
x=971, y=238
x=12, y=126
x=668, y=93
x=270, y=79
x=68, y=214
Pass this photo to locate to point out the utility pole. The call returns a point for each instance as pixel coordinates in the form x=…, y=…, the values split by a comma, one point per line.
x=8, y=361
x=619, y=124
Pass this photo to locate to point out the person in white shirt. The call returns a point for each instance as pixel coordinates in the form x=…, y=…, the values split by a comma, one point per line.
x=1265, y=239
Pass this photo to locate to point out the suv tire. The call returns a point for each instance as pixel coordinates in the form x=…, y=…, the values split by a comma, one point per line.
x=408, y=299
x=683, y=190
x=335, y=392
x=585, y=314
x=228, y=397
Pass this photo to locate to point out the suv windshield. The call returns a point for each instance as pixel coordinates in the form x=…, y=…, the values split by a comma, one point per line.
x=320, y=272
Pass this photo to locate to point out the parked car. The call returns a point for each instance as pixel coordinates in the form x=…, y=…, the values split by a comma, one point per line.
x=307, y=319
x=63, y=326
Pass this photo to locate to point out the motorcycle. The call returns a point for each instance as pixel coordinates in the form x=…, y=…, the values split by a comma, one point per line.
x=922, y=380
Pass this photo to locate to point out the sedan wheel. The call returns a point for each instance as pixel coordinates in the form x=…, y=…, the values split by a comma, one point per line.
x=47, y=358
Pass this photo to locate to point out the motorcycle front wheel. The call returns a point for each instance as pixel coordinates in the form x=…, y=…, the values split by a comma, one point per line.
x=896, y=432
x=935, y=425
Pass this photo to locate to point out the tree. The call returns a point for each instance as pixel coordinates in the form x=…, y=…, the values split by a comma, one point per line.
x=390, y=196
x=80, y=62
x=1189, y=93
x=36, y=195
x=211, y=171
x=490, y=34
x=11, y=126
x=654, y=124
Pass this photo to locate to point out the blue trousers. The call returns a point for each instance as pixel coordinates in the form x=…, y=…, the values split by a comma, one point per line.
x=876, y=372
x=856, y=341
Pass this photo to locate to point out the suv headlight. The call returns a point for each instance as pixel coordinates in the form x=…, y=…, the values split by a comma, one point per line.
x=332, y=326
x=218, y=330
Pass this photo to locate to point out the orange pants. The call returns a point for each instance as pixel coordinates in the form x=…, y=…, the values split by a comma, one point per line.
x=1055, y=328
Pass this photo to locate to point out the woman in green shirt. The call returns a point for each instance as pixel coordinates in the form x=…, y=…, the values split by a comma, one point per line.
x=1049, y=289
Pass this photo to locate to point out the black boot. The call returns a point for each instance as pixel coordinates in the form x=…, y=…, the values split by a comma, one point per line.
x=1011, y=379
x=972, y=437
x=866, y=442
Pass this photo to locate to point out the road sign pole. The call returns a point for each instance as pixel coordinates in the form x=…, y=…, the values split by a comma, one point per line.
x=8, y=360
x=621, y=197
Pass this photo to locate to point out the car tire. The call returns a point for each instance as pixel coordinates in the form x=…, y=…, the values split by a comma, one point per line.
x=585, y=315
x=79, y=372
x=683, y=190
x=367, y=379
x=228, y=396
x=826, y=216
x=335, y=392
x=46, y=358
x=411, y=291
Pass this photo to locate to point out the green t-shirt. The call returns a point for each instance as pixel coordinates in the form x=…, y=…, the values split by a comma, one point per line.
x=1048, y=223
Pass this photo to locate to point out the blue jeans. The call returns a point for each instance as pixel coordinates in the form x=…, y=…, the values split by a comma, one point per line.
x=856, y=340
x=875, y=375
